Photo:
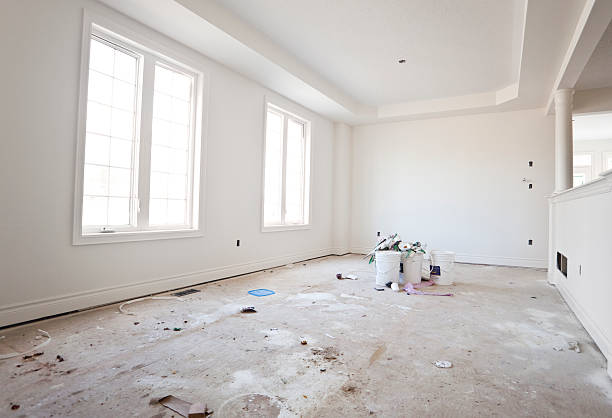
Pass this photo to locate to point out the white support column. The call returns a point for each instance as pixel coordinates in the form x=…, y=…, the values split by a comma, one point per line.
x=564, y=145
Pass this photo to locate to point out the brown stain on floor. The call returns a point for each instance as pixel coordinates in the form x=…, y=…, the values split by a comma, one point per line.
x=376, y=355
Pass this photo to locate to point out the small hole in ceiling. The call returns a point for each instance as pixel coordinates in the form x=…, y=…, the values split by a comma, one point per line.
x=402, y=61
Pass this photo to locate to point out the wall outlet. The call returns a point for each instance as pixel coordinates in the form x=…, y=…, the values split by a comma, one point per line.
x=378, y=234
x=530, y=242
x=237, y=243
x=530, y=163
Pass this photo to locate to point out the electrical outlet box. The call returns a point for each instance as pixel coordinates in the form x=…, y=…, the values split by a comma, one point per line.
x=530, y=242
x=237, y=243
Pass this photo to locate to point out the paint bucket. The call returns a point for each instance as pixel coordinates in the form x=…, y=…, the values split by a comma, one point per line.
x=387, y=267
x=412, y=268
x=442, y=266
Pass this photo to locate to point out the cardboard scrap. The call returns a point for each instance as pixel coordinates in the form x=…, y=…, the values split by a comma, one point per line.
x=39, y=346
x=184, y=408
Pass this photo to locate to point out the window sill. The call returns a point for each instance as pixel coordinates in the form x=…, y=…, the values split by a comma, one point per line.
x=112, y=237
x=279, y=228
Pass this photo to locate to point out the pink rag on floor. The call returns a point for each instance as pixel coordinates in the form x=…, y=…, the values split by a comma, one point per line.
x=423, y=284
x=410, y=289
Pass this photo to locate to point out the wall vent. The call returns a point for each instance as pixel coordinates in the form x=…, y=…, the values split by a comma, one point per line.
x=562, y=263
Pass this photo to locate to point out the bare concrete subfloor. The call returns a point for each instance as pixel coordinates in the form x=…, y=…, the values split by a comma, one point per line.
x=368, y=353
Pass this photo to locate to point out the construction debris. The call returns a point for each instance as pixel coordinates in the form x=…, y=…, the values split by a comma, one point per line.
x=184, y=408
x=30, y=356
x=573, y=346
x=59, y=358
x=303, y=342
x=570, y=345
x=248, y=309
x=410, y=290
x=443, y=364
x=261, y=292
x=147, y=298
x=39, y=346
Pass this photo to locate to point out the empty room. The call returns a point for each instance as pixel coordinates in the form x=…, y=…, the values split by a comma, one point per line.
x=322, y=208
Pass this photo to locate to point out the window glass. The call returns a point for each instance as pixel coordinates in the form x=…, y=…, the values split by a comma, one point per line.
x=285, y=170
x=108, y=173
x=133, y=122
x=170, y=163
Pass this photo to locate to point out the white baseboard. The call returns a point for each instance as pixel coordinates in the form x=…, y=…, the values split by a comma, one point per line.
x=21, y=312
x=502, y=261
x=602, y=341
x=484, y=259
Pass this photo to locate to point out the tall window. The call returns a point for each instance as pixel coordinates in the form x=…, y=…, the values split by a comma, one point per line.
x=140, y=166
x=287, y=170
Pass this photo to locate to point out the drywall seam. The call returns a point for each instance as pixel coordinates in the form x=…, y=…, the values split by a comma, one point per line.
x=16, y=313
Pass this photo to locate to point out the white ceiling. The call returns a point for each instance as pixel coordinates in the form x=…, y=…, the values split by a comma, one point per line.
x=592, y=127
x=452, y=48
x=339, y=58
x=598, y=71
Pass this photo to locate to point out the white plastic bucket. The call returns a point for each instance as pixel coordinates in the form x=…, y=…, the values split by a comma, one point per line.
x=412, y=268
x=387, y=267
x=442, y=267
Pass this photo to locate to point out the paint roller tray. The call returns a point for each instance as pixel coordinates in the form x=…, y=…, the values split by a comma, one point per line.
x=261, y=292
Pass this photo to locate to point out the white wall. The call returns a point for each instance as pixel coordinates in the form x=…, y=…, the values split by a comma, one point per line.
x=343, y=145
x=41, y=272
x=455, y=183
x=582, y=231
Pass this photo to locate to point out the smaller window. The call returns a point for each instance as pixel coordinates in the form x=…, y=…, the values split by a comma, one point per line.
x=286, y=194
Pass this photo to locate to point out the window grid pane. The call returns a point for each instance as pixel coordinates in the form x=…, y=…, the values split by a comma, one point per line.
x=286, y=153
x=273, y=172
x=294, y=196
x=108, y=185
x=170, y=147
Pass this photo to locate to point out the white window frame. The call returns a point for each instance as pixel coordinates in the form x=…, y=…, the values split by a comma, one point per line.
x=307, y=169
x=586, y=170
x=604, y=162
x=152, y=49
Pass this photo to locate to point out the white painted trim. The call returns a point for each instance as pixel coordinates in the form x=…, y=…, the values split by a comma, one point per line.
x=280, y=228
x=360, y=250
x=502, y=260
x=604, y=344
x=131, y=236
x=601, y=185
x=16, y=313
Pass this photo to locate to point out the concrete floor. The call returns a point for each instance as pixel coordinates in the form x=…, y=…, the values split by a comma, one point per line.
x=367, y=352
